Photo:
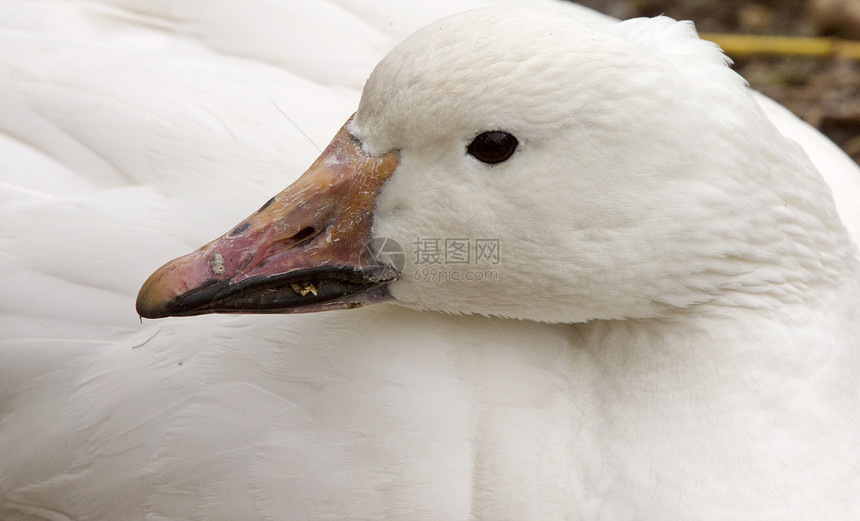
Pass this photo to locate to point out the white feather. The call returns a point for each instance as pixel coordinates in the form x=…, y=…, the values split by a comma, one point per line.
x=133, y=131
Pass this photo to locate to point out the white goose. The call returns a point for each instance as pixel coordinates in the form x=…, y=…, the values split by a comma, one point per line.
x=691, y=290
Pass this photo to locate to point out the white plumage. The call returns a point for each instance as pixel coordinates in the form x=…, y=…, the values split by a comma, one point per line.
x=133, y=132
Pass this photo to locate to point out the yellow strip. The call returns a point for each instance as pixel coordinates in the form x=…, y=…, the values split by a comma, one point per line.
x=741, y=45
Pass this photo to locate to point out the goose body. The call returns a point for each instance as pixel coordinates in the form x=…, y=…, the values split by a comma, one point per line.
x=680, y=286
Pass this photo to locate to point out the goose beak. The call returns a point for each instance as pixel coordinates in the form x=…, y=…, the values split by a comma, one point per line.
x=305, y=250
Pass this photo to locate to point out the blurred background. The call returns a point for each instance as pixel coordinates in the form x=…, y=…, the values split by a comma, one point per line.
x=822, y=89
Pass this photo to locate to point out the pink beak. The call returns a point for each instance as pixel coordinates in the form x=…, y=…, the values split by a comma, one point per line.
x=304, y=250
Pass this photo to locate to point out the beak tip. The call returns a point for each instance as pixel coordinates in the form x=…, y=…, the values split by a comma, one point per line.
x=154, y=296
x=148, y=309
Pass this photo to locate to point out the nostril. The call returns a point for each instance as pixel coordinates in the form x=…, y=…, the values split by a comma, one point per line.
x=302, y=234
x=293, y=241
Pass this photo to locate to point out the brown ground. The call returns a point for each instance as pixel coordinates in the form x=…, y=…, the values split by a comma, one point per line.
x=825, y=91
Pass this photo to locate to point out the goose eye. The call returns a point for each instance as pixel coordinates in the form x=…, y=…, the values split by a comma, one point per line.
x=493, y=147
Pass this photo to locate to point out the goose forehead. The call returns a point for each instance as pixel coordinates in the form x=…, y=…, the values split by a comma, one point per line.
x=485, y=67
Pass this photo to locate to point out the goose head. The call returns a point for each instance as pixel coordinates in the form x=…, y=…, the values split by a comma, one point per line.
x=519, y=163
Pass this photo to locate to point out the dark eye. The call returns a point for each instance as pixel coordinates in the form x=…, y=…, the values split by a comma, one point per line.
x=493, y=147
